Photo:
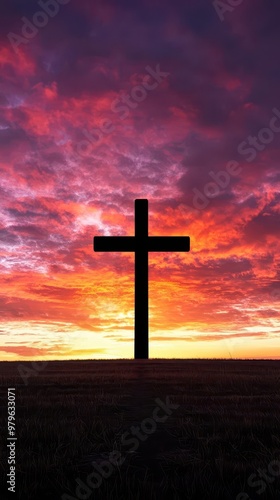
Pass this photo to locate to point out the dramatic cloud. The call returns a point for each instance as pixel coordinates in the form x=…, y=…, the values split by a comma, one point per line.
x=105, y=102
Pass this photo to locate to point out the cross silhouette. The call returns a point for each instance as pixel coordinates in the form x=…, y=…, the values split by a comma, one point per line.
x=141, y=244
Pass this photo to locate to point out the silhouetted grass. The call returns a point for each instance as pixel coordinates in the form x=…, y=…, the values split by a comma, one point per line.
x=72, y=413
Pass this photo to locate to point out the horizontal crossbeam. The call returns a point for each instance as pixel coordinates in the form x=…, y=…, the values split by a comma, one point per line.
x=134, y=243
x=114, y=243
x=168, y=244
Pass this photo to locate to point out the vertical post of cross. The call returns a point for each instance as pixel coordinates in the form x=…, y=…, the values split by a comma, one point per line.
x=141, y=295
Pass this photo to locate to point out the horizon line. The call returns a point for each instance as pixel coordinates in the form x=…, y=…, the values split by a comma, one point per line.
x=137, y=360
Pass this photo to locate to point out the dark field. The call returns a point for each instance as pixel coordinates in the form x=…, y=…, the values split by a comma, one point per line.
x=219, y=438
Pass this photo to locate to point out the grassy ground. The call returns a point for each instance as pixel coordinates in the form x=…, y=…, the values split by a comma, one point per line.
x=220, y=437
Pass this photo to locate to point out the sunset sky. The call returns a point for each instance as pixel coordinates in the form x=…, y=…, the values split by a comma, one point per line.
x=110, y=101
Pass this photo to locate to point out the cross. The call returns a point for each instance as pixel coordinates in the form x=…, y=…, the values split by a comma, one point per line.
x=141, y=244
